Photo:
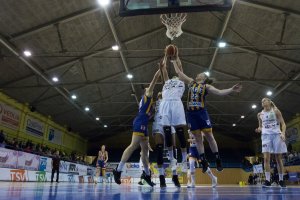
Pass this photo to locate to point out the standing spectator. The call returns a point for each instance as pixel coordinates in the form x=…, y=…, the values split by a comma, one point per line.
x=286, y=176
x=14, y=143
x=2, y=139
x=55, y=166
x=250, y=180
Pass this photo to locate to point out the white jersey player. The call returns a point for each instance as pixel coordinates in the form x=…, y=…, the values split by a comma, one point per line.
x=270, y=120
x=172, y=113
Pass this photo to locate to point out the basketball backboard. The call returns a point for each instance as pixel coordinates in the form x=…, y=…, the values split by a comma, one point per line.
x=150, y=7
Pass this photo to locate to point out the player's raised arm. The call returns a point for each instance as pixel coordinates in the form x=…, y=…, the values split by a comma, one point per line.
x=163, y=68
x=149, y=90
x=236, y=88
x=181, y=75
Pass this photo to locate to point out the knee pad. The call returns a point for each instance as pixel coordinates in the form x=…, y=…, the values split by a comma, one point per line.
x=168, y=136
x=181, y=137
x=160, y=152
x=192, y=166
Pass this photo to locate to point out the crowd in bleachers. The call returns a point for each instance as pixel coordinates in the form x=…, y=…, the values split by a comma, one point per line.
x=292, y=158
x=39, y=149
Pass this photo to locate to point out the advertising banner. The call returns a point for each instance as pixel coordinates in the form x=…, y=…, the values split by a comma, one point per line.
x=131, y=170
x=64, y=166
x=34, y=126
x=257, y=169
x=82, y=169
x=18, y=175
x=28, y=161
x=45, y=164
x=73, y=169
x=55, y=136
x=8, y=158
x=9, y=116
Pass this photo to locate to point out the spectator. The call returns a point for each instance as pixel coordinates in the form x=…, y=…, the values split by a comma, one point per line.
x=55, y=166
x=290, y=156
x=20, y=145
x=286, y=176
x=2, y=139
x=250, y=179
x=255, y=179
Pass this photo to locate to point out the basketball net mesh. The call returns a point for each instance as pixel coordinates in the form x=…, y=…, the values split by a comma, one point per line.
x=173, y=24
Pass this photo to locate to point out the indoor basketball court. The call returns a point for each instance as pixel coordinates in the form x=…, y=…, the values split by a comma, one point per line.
x=149, y=99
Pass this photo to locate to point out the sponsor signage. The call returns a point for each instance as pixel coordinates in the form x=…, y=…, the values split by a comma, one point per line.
x=9, y=116
x=55, y=136
x=8, y=158
x=34, y=126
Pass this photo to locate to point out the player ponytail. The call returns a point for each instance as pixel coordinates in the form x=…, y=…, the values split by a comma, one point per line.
x=208, y=81
x=273, y=105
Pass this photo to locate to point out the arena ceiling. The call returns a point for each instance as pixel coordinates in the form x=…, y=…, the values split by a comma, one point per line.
x=72, y=39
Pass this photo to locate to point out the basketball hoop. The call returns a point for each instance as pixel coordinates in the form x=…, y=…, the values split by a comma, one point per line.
x=173, y=24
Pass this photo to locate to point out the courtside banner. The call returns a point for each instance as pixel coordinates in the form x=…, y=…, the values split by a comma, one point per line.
x=5, y=174
x=257, y=169
x=73, y=169
x=9, y=116
x=82, y=169
x=88, y=179
x=38, y=176
x=132, y=170
x=8, y=158
x=14, y=175
x=28, y=161
x=64, y=166
x=45, y=164
x=34, y=126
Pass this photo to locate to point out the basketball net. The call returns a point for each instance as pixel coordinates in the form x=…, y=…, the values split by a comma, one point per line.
x=173, y=24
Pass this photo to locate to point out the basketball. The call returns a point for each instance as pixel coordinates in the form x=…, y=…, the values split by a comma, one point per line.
x=171, y=50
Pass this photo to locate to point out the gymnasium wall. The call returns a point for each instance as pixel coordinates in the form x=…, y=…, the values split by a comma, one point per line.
x=17, y=121
x=227, y=176
x=231, y=175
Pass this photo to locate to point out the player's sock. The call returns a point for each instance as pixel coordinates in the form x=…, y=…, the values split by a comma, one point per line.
x=267, y=174
x=120, y=166
x=217, y=155
x=280, y=177
x=161, y=171
x=171, y=154
x=193, y=179
x=147, y=171
x=210, y=174
x=184, y=156
x=174, y=172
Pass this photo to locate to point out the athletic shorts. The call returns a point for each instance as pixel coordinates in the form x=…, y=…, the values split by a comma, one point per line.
x=194, y=153
x=172, y=113
x=272, y=143
x=101, y=163
x=198, y=120
x=140, y=124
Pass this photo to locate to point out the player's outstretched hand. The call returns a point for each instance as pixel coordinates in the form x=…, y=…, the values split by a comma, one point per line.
x=237, y=87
